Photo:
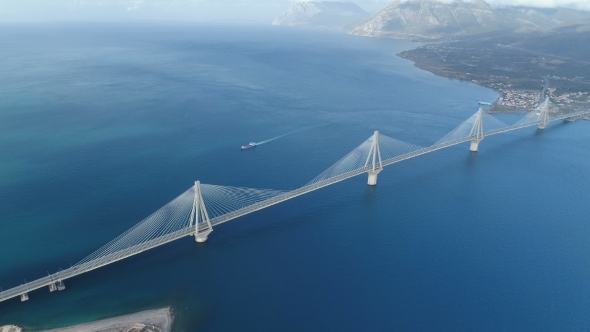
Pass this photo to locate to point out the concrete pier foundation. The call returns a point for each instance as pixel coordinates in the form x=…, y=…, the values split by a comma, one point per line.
x=202, y=236
x=372, y=181
x=474, y=145
x=24, y=297
x=52, y=287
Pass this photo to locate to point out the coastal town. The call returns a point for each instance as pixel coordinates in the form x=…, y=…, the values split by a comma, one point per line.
x=518, y=99
x=570, y=98
x=528, y=100
x=516, y=65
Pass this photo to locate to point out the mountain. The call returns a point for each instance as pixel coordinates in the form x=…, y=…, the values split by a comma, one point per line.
x=426, y=19
x=322, y=14
x=543, y=18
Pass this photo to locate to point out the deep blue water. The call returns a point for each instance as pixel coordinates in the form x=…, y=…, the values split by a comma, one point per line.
x=100, y=125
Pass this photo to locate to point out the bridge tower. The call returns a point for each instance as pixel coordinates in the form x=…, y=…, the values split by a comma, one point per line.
x=199, y=216
x=477, y=131
x=544, y=114
x=374, y=160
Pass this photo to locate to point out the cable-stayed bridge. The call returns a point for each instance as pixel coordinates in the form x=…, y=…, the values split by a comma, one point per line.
x=203, y=206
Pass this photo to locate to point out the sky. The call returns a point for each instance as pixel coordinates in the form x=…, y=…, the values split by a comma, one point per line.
x=254, y=11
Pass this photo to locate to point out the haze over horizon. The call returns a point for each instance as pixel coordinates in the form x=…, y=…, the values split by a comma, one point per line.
x=251, y=11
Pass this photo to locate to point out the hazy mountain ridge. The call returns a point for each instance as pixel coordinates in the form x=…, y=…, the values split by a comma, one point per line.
x=544, y=18
x=425, y=19
x=322, y=14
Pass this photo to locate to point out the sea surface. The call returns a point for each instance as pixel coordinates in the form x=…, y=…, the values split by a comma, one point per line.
x=102, y=124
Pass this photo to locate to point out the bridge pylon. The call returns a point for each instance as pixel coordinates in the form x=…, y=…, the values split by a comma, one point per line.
x=199, y=216
x=477, y=131
x=544, y=114
x=374, y=160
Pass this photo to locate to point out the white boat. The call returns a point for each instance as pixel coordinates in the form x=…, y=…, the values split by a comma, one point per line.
x=249, y=146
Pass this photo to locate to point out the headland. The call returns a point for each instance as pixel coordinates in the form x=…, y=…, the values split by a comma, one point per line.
x=523, y=66
x=158, y=320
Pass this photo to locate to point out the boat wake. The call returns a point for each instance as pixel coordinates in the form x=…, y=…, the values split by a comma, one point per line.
x=254, y=144
x=289, y=133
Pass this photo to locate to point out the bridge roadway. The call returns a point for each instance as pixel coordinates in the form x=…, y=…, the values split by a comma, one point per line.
x=119, y=255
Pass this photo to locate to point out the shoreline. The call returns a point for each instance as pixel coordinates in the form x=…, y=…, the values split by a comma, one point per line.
x=520, y=76
x=161, y=319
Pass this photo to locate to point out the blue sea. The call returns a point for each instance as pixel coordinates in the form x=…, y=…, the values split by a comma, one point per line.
x=102, y=124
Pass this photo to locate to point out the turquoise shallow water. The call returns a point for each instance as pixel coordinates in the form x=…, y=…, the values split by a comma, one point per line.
x=101, y=125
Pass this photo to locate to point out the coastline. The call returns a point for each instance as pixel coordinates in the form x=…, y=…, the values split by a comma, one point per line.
x=521, y=76
x=161, y=319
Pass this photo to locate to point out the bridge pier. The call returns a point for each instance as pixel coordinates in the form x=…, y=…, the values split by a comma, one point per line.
x=474, y=145
x=544, y=114
x=60, y=286
x=477, y=131
x=373, y=161
x=200, y=216
x=52, y=287
x=372, y=181
x=202, y=236
x=24, y=297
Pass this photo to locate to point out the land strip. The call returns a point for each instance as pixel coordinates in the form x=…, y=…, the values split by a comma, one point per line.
x=523, y=66
x=159, y=320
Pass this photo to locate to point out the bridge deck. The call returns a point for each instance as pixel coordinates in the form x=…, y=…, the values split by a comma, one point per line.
x=134, y=250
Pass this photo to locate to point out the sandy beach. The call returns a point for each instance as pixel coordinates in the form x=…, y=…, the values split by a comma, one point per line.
x=146, y=321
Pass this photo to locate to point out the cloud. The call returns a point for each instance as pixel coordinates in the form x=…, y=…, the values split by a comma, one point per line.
x=134, y=4
x=580, y=4
x=260, y=11
x=575, y=4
